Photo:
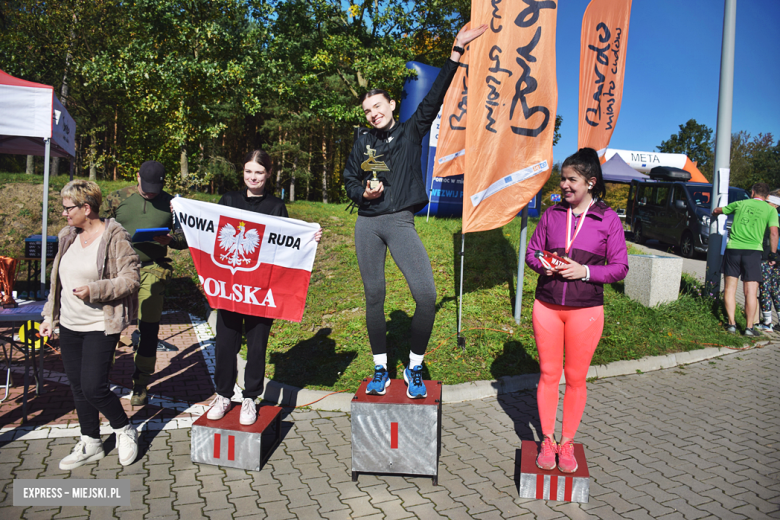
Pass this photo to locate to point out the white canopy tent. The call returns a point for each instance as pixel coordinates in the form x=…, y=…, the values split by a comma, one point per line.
x=34, y=122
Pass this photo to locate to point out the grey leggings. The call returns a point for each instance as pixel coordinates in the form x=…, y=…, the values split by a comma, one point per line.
x=373, y=237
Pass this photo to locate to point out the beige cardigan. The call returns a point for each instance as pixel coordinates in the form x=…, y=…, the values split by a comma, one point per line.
x=118, y=278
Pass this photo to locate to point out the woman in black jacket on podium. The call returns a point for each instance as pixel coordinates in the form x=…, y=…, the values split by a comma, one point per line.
x=383, y=177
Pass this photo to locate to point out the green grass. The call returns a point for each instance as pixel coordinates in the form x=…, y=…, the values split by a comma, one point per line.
x=329, y=348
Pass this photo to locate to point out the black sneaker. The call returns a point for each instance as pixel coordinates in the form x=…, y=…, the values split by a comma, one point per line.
x=731, y=329
x=752, y=333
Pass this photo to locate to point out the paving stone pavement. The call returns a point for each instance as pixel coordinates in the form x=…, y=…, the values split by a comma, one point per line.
x=695, y=442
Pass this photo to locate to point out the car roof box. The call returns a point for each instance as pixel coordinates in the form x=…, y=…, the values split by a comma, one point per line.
x=669, y=173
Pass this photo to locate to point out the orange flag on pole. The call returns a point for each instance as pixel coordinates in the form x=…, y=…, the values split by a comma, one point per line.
x=602, y=67
x=451, y=146
x=513, y=98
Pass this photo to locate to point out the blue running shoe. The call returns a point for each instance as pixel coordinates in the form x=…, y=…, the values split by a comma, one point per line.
x=378, y=386
x=414, y=381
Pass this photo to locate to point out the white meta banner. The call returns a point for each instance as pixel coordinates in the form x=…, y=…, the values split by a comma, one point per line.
x=249, y=262
x=646, y=161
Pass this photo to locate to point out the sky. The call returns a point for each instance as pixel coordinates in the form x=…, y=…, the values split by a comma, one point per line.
x=673, y=70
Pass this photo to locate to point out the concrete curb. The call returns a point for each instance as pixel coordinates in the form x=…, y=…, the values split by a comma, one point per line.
x=287, y=395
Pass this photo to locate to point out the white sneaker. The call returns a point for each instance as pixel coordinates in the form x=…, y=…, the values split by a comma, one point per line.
x=219, y=407
x=127, y=444
x=86, y=450
x=248, y=412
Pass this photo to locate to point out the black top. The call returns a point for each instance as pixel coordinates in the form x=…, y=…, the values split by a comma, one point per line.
x=266, y=204
x=400, y=149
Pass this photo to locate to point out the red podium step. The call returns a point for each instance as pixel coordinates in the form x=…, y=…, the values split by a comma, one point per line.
x=552, y=484
x=227, y=443
x=392, y=434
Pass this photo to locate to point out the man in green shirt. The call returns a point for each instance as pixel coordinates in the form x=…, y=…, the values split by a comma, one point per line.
x=744, y=250
x=145, y=206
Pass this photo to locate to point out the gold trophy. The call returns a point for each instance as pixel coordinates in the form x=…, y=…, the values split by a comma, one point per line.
x=7, y=275
x=372, y=165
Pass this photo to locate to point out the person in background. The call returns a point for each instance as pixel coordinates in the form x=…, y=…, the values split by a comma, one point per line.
x=231, y=326
x=93, y=297
x=568, y=312
x=769, y=292
x=752, y=218
x=383, y=177
x=143, y=206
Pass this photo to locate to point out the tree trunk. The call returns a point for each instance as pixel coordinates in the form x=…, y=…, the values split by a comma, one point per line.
x=308, y=169
x=280, y=166
x=324, y=167
x=30, y=165
x=116, y=121
x=292, y=178
x=92, y=157
x=185, y=166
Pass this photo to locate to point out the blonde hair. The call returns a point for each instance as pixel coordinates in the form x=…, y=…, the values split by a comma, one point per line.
x=82, y=193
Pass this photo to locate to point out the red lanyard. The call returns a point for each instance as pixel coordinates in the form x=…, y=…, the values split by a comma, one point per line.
x=569, y=240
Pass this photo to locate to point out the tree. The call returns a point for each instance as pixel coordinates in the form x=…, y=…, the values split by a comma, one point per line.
x=753, y=159
x=695, y=141
x=557, y=134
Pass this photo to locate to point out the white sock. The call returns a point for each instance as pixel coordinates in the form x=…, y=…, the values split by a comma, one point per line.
x=381, y=359
x=415, y=360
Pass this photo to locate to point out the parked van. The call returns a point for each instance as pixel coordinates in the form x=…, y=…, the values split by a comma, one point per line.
x=673, y=212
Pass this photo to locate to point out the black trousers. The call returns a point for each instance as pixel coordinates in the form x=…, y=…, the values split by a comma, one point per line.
x=88, y=357
x=230, y=329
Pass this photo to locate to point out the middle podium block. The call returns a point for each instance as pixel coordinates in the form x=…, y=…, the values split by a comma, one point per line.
x=394, y=434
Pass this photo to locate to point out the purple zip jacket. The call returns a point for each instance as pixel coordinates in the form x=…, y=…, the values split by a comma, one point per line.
x=601, y=245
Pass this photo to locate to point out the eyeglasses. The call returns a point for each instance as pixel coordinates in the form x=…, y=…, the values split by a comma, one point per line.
x=67, y=209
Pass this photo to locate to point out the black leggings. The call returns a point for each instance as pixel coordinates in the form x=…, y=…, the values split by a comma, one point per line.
x=230, y=328
x=88, y=357
x=373, y=237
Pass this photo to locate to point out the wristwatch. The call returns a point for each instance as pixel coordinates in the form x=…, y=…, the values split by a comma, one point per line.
x=457, y=49
x=587, y=274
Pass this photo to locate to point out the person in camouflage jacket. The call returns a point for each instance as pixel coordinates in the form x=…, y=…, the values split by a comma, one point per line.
x=145, y=206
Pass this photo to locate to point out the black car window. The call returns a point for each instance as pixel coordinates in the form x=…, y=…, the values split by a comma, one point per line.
x=678, y=194
x=660, y=195
x=701, y=195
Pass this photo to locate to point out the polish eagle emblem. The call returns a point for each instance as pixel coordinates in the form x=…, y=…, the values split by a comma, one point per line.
x=238, y=243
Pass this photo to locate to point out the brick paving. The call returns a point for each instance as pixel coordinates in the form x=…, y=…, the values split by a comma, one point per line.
x=694, y=442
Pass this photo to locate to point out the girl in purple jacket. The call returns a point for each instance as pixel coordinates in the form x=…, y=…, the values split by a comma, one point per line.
x=568, y=311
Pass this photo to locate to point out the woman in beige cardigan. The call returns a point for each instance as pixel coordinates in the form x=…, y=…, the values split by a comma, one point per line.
x=94, y=290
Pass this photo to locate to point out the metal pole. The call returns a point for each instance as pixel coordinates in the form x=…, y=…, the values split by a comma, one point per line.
x=45, y=216
x=429, y=199
x=461, y=339
x=521, y=263
x=722, y=141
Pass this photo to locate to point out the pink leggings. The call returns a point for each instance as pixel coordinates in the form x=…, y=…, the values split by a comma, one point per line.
x=579, y=329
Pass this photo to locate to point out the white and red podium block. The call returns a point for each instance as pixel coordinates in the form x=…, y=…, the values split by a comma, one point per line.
x=392, y=434
x=552, y=484
x=227, y=443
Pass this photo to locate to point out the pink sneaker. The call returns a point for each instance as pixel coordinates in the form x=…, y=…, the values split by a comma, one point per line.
x=566, y=461
x=546, y=458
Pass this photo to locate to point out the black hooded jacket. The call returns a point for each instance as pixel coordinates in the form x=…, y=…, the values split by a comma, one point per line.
x=400, y=148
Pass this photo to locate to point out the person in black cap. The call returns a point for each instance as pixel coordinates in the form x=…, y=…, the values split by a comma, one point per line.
x=144, y=206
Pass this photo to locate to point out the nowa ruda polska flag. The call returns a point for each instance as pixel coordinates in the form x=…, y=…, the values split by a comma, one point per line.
x=512, y=101
x=248, y=262
x=602, y=68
